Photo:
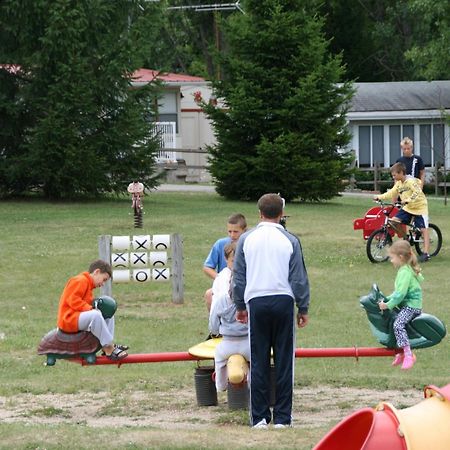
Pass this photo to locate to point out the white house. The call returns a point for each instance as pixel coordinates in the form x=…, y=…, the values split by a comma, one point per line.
x=184, y=128
x=381, y=114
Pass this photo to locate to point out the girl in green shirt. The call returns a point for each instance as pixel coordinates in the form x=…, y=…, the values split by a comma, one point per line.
x=407, y=296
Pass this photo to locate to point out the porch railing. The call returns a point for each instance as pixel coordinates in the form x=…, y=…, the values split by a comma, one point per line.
x=166, y=132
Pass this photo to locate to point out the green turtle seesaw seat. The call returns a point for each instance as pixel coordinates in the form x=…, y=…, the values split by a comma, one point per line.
x=423, y=331
x=57, y=344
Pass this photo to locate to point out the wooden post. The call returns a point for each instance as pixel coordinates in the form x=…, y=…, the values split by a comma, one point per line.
x=104, y=252
x=436, y=179
x=177, y=269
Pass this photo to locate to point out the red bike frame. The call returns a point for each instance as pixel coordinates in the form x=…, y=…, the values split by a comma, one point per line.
x=374, y=219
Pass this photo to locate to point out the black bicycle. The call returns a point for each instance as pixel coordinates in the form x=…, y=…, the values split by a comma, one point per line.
x=380, y=240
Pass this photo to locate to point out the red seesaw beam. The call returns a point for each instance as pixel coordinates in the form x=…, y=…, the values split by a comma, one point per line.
x=353, y=352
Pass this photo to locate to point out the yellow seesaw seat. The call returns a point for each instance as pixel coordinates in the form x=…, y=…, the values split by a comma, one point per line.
x=237, y=368
x=205, y=349
x=237, y=365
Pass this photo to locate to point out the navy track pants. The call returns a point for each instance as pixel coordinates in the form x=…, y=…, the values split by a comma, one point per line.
x=271, y=325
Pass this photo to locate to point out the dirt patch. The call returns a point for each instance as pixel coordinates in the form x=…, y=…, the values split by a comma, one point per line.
x=177, y=409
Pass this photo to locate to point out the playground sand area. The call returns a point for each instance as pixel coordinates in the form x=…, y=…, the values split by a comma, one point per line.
x=314, y=407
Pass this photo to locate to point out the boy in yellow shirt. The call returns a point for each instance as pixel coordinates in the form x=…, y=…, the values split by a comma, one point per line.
x=414, y=204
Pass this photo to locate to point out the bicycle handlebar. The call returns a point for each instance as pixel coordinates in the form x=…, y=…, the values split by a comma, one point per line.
x=396, y=204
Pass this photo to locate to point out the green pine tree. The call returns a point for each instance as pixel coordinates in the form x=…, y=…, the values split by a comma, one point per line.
x=282, y=120
x=73, y=125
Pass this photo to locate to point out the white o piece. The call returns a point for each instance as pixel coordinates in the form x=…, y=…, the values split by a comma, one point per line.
x=120, y=260
x=158, y=259
x=161, y=274
x=120, y=242
x=142, y=275
x=141, y=243
x=121, y=276
x=161, y=241
x=139, y=259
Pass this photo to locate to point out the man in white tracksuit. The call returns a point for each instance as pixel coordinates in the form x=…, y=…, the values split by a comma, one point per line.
x=269, y=279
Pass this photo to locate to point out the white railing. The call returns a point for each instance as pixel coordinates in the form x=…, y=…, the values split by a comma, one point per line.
x=166, y=132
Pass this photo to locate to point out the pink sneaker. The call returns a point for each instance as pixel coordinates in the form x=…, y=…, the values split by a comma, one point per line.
x=408, y=361
x=398, y=359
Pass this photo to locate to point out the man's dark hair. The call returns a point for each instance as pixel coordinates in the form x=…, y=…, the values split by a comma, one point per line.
x=102, y=265
x=271, y=206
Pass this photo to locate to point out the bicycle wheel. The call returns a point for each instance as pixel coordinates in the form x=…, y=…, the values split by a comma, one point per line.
x=378, y=245
x=435, y=240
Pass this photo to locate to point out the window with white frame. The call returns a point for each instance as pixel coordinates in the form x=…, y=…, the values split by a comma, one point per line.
x=167, y=110
x=431, y=145
x=371, y=145
x=396, y=134
x=380, y=144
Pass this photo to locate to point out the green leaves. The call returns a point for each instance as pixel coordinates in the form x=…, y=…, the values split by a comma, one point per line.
x=75, y=126
x=382, y=40
x=284, y=116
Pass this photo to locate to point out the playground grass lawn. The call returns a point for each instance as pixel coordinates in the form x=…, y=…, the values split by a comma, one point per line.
x=42, y=244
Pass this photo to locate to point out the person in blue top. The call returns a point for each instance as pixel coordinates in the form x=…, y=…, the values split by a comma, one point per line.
x=407, y=296
x=216, y=262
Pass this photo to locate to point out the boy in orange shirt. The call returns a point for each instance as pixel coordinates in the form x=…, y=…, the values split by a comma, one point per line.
x=76, y=312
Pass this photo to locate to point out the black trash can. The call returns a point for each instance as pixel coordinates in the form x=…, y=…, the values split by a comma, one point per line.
x=205, y=388
x=238, y=396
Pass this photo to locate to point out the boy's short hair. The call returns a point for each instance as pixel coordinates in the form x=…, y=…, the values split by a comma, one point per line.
x=407, y=141
x=238, y=219
x=102, y=265
x=229, y=249
x=271, y=206
x=398, y=168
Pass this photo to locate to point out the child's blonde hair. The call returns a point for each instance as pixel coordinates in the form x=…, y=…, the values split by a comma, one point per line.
x=229, y=249
x=407, y=141
x=403, y=249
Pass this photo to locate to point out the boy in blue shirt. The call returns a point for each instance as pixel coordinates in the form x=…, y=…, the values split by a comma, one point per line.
x=216, y=261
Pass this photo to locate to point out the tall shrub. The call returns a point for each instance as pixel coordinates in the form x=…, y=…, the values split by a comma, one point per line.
x=72, y=124
x=280, y=120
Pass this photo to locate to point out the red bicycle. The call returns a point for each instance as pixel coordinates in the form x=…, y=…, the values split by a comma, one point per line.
x=380, y=234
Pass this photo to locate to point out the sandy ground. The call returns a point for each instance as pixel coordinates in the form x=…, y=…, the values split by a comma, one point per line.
x=178, y=409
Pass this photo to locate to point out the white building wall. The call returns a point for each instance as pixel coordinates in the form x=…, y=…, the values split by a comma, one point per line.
x=195, y=129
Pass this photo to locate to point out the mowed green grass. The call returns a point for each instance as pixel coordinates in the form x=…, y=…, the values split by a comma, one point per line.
x=42, y=244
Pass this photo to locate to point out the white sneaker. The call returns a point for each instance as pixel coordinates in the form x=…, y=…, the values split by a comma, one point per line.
x=261, y=424
x=282, y=425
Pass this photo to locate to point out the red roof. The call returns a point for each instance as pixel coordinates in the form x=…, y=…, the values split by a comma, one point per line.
x=148, y=75
x=140, y=76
